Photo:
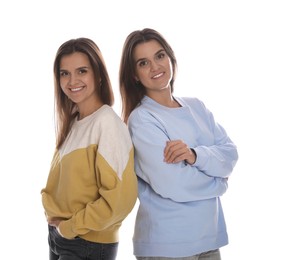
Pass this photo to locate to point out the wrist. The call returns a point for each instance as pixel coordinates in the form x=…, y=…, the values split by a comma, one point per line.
x=194, y=156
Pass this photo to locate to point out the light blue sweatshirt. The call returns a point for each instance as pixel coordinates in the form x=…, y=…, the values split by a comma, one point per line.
x=180, y=211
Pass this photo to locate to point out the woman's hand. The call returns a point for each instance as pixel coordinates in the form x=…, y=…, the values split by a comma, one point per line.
x=55, y=223
x=177, y=151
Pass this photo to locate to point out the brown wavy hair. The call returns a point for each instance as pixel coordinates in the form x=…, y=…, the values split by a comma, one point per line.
x=132, y=91
x=65, y=108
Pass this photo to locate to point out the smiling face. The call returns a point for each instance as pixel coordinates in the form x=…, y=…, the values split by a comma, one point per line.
x=153, y=67
x=77, y=80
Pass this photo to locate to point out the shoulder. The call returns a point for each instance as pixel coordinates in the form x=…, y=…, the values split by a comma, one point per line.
x=107, y=112
x=111, y=124
x=106, y=116
x=193, y=104
x=190, y=101
x=147, y=111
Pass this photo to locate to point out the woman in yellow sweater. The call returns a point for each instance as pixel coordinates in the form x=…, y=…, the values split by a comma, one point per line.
x=92, y=185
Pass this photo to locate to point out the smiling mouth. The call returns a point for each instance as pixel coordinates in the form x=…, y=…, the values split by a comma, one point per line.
x=158, y=75
x=75, y=89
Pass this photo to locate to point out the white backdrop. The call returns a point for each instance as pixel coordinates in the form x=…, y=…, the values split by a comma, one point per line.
x=229, y=56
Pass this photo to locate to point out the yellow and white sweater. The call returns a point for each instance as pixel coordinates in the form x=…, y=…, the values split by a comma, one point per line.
x=92, y=184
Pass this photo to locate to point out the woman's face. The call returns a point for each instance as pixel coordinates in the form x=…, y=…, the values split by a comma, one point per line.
x=77, y=78
x=153, y=66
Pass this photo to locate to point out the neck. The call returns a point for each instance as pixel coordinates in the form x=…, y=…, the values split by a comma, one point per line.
x=167, y=100
x=88, y=110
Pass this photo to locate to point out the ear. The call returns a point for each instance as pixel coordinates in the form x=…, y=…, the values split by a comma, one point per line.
x=137, y=79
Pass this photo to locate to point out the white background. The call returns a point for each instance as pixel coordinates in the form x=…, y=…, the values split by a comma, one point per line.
x=229, y=55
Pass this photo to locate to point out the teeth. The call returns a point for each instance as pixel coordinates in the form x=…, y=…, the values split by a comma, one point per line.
x=75, y=89
x=157, y=76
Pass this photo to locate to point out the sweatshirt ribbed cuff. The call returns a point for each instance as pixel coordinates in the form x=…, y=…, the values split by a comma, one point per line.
x=65, y=228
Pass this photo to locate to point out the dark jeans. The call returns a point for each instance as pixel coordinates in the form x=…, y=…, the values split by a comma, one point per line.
x=79, y=249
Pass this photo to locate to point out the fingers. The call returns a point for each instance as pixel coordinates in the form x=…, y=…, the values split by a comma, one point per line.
x=54, y=222
x=175, y=151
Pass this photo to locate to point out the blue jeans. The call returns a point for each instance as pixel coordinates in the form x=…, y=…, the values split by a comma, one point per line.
x=78, y=249
x=210, y=255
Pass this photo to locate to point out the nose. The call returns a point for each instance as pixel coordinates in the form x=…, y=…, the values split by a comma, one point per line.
x=72, y=80
x=154, y=65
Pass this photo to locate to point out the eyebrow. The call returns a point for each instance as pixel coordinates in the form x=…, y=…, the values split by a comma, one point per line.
x=79, y=68
x=141, y=59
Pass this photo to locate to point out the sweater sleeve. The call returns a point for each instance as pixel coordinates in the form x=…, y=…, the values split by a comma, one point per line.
x=218, y=158
x=117, y=184
x=178, y=182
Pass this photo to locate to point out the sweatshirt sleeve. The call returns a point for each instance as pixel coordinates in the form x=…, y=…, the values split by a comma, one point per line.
x=117, y=184
x=219, y=157
x=178, y=182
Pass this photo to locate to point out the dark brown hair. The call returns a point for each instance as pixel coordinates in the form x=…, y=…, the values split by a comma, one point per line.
x=132, y=91
x=65, y=109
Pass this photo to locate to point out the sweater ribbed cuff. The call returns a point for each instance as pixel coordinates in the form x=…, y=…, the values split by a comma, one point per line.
x=65, y=228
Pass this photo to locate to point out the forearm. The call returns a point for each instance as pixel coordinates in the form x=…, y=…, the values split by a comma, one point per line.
x=216, y=161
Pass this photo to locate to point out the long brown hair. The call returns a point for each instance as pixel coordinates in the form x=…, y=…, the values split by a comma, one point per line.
x=132, y=91
x=65, y=109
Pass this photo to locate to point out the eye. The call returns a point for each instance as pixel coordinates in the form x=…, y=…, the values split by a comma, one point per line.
x=83, y=71
x=63, y=73
x=142, y=63
x=161, y=55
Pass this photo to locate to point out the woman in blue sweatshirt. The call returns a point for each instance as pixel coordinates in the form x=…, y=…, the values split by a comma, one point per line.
x=183, y=157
